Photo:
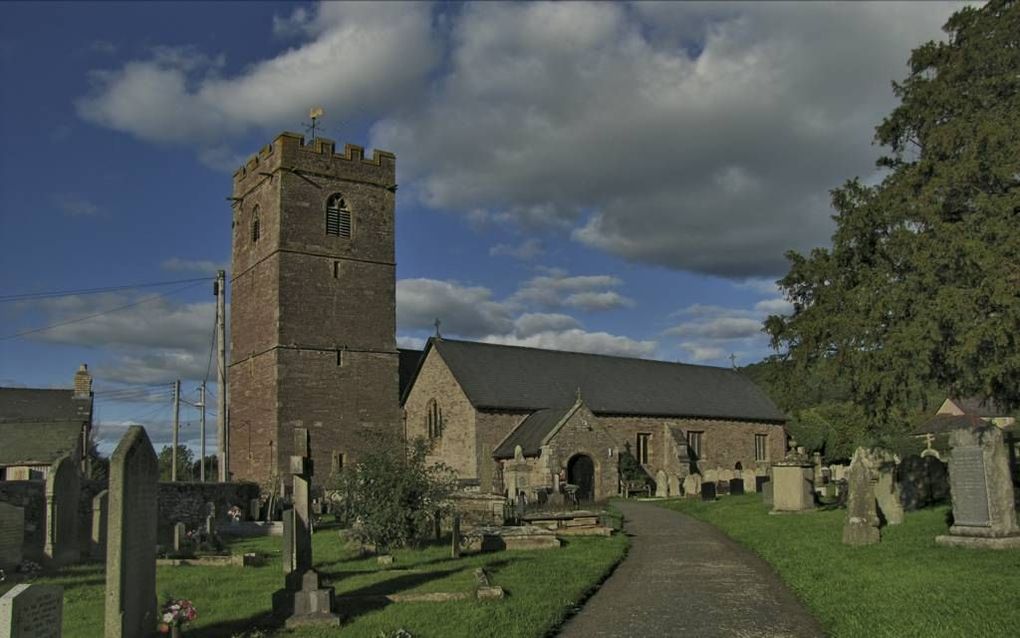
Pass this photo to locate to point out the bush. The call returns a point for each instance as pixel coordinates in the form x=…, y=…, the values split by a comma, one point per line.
x=390, y=496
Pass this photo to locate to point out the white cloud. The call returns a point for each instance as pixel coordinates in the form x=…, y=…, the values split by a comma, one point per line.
x=203, y=266
x=606, y=300
x=468, y=311
x=777, y=306
x=698, y=352
x=410, y=343
x=702, y=137
x=360, y=57
x=76, y=206
x=533, y=323
x=525, y=251
x=555, y=288
x=577, y=340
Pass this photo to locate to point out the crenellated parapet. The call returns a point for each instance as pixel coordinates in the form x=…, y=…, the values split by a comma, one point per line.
x=290, y=152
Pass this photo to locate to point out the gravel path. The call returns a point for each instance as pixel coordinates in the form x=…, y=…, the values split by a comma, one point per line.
x=683, y=577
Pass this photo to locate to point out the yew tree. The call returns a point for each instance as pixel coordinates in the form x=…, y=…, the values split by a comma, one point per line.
x=921, y=287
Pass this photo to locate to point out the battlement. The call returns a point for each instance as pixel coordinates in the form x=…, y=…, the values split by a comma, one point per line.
x=290, y=150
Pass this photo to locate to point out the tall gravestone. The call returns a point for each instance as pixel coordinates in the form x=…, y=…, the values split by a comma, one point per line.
x=303, y=601
x=861, y=526
x=131, y=541
x=32, y=611
x=63, y=491
x=883, y=464
x=981, y=487
x=12, y=535
x=661, y=484
x=97, y=541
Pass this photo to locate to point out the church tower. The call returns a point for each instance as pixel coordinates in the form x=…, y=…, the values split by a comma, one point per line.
x=312, y=321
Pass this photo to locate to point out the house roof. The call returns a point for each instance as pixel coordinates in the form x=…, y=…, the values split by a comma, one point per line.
x=978, y=406
x=37, y=443
x=516, y=378
x=33, y=404
x=407, y=366
x=531, y=432
x=943, y=423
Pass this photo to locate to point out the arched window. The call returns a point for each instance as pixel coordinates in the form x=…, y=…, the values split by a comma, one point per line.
x=255, y=230
x=434, y=419
x=338, y=217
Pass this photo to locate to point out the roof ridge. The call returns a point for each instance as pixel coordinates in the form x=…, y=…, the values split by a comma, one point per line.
x=586, y=354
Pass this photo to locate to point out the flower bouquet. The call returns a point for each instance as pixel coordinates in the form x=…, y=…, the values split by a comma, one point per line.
x=175, y=614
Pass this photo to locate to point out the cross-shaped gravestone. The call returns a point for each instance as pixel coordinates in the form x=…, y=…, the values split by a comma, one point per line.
x=302, y=601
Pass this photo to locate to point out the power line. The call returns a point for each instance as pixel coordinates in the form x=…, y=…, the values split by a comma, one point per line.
x=91, y=291
x=100, y=314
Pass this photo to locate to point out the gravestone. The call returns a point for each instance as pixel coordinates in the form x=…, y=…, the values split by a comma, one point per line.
x=288, y=541
x=63, y=490
x=736, y=486
x=692, y=485
x=254, y=508
x=303, y=601
x=793, y=486
x=750, y=482
x=455, y=537
x=708, y=491
x=180, y=536
x=861, y=526
x=661, y=485
x=981, y=486
x=766, y=491
x=131, y=541
x=722, y=487
x=100, y=508
x=32, y=611
x=674, y=485
x=923, y=481
x=883, y=467
x=210, y=526
x=710, y=476
x=12, y=535
x=760, y=481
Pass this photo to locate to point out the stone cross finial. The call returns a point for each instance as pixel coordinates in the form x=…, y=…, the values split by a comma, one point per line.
x=437, y=324
x=733, y=360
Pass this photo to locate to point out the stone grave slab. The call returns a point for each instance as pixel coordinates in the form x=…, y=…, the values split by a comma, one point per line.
x=12, y=535
x=32, y=611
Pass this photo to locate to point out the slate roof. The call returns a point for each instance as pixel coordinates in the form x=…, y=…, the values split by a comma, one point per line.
x=36, y=443
x=978, y=406
x=407, y=366
x=517, y=378
x=943, y=423
x=33, y=404
x=530, y=433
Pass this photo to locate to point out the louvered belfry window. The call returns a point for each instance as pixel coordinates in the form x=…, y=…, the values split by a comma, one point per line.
x=338, y=217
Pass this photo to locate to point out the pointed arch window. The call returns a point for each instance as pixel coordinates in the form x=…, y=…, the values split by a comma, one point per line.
x=434, y=419
x=338, y=217
x=256, y=230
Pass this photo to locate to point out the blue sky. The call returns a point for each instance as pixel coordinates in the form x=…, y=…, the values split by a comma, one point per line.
x=619, y=178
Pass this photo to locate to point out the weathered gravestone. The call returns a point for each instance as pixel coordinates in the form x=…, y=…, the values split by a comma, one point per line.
x=793, y=485
x=692, y=485
x=883, y=467
x=736, y=486
x=708, y=491
x=254, y=508
x=97, y=541
x=674, y=485
x=288, y=553
x=180, y=537
x=984, y=512
x=923, y=481
x=661, y=485
x=765, y=487
x=131, y=543
x=750, y=482
x=303, y=601
x=63, y=491
x=861, y=526
x=12, y=535
x=32, y=611
x=455, y=540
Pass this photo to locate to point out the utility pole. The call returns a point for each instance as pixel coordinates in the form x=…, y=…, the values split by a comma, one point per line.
x=222, y=427
x=201, y=459
x=177, y=419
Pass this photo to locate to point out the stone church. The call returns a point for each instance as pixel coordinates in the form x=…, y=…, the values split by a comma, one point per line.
x=312, y=335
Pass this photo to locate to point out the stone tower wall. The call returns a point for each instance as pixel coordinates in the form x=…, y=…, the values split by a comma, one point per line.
x=313, y=318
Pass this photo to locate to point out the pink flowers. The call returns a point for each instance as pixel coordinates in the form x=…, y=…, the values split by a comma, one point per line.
x=175, y=613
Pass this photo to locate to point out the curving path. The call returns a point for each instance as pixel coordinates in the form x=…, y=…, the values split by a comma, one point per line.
x=683, y=577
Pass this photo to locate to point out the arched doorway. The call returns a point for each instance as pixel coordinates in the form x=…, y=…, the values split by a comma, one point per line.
x=581, y=472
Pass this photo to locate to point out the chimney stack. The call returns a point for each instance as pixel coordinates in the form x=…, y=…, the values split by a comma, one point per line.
x=82, y=383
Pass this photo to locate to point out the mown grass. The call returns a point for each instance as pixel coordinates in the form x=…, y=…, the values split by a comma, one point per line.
x=903, y=586
x=542, y=588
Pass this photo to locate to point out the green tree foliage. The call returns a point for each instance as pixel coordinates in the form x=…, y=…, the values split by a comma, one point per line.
x=389, y=497
x=185, y=463
x=921, y=287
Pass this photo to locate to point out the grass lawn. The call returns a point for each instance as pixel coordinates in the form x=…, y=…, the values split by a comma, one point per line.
x=903, y=586
x=541, y=586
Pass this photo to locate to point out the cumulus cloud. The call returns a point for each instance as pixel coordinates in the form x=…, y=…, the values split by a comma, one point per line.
x=702, y=137
x=76, y=206
x=525, y=251
x=556, y=289
x=357, y=56
x=606, y=300
x=472, y=312
x=718, y=328
x=202, y=266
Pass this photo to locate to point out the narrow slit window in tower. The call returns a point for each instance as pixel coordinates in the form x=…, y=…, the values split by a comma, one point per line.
x=255, y=230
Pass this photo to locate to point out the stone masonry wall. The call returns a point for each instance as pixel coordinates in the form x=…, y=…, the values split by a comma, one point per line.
x=584, y=433
x=456, y=447
x=492, y=428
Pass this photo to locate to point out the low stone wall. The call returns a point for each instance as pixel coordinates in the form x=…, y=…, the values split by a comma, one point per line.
x=183, y=502
x=479, y=509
